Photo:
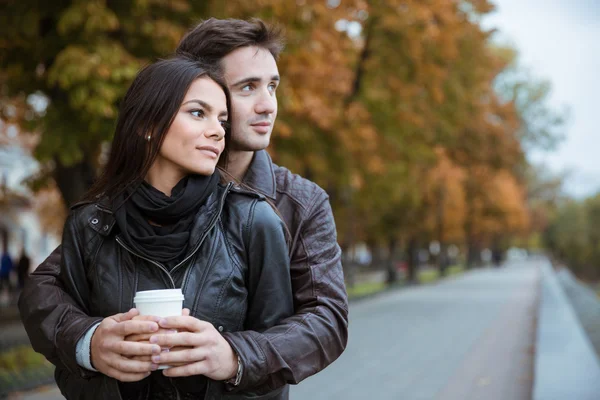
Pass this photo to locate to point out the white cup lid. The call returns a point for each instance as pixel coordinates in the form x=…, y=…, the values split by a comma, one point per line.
x=158, y=295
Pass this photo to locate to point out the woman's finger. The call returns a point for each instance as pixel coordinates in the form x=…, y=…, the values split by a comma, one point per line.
x=180, y=339
x=185, y=356
x=145, y=337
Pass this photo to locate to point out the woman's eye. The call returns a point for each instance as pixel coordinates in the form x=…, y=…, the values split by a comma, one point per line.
x=224, y=124
x=197, y=113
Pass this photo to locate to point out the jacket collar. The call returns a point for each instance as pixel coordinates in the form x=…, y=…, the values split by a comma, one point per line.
x=261, y=175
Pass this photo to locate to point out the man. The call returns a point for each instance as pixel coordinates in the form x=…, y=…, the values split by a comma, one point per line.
x=299, y=346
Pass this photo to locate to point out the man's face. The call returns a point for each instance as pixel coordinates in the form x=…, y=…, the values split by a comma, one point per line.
x=252, y=77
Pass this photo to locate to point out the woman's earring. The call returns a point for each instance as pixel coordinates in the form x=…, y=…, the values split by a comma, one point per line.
x=148, y=137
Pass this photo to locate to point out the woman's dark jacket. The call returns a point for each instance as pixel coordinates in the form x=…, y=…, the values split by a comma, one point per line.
x=235, y=275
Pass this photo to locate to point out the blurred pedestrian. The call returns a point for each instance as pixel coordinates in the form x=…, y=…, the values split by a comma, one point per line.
x=23, y=267
x=6, y=266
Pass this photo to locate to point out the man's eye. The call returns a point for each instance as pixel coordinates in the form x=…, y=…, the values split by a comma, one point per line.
x=272, y=87
x=247, y=88
x=197, y=113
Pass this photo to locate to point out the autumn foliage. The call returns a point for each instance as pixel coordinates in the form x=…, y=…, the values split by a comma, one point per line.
x=392, y=106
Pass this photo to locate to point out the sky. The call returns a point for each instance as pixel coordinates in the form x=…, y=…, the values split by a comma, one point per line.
x=559, y=40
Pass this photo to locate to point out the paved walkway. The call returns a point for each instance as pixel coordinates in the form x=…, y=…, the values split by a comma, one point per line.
x=466, y=338
x=566, y=364
x=471, y=337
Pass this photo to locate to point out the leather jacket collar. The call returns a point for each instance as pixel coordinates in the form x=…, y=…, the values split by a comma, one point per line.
x=261, y=175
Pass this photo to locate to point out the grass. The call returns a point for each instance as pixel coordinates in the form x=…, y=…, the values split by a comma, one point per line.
x=424, y=276
x=364, y=289
x=20, y=358
x=433, y=274
x=21, y=368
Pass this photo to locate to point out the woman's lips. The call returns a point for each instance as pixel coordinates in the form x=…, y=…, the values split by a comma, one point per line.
x=210, y=151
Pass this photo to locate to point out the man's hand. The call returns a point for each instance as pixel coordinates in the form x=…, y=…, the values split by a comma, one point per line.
x=110, y=353
x=145, y=337
x=197, y=345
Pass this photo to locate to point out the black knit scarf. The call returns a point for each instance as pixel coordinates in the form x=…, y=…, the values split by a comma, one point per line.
x=158, y=226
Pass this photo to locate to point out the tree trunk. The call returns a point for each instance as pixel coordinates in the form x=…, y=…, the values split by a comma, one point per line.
x=348, y=266
x=392, y=274
x=74, y=181
x=470, y=222
x=441, y=259
x=412, y=260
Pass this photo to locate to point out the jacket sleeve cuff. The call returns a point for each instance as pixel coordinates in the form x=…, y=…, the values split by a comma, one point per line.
x=84, y=349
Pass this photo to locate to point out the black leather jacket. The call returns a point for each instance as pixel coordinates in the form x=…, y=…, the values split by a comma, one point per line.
x=237, y=254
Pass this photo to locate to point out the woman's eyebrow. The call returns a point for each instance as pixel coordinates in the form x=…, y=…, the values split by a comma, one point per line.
x=202, y=103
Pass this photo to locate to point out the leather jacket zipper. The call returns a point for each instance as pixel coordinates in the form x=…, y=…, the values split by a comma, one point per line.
x=213, y=222
x=149, y=260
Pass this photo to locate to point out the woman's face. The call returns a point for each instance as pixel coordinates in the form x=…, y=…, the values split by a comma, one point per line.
x=195, y=140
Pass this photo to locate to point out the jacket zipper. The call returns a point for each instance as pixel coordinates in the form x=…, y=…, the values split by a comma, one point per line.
x=149, y=260
x=210, y=226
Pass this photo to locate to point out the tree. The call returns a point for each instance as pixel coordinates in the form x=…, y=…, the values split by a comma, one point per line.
x=78, y=57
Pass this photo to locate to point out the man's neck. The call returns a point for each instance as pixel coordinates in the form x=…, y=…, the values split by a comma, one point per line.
x=238, y=163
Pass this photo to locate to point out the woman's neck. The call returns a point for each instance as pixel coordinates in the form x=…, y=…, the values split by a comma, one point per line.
x=163, y=177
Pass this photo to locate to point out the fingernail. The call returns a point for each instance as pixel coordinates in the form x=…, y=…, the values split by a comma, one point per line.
x=153, y=327
x=153, y=339
x=156, y=349
x=172, y=331
x=165, y=350
x=162, y=321
x=156, y=359
x=154, y=367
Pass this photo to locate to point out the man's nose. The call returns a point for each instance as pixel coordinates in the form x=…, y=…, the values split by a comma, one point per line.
x=267, y=103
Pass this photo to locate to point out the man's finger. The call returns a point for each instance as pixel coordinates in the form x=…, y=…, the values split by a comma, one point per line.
x=135, y=327
x=185, y=312
x=145, y=337
x=180, y=357
x=181, y=339
x=129, y=366
x=146, y=318
x=135, y=349
x=142, y=358
x=126, y=316
x=184, y=323
x=197, y=368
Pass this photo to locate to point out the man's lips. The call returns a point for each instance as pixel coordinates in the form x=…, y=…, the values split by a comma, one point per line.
x=210, y=150
x=262, y=127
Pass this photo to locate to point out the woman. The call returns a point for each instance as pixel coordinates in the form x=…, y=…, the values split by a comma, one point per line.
x=158, y=218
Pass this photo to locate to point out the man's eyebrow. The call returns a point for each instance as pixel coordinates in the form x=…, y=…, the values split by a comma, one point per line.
x=251, y=79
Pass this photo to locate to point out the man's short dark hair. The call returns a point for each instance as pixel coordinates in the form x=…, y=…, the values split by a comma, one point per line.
x=213, y=39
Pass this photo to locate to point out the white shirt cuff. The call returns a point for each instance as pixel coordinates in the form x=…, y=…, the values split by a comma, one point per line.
x=84, y=349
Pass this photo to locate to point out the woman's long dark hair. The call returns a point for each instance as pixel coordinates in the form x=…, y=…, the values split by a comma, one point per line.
x=149, y=108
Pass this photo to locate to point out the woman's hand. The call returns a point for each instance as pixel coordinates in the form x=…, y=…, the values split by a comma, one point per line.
x=145, y=337
x=198, y=346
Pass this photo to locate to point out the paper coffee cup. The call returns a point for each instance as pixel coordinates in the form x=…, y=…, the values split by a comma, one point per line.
x=160, y=303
